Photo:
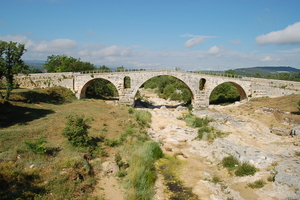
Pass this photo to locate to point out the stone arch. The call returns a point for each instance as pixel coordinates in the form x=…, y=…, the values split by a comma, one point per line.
x=82, y=91
x=241, y=90
x=140, y=83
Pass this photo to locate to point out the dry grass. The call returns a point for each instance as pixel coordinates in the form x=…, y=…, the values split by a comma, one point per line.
x=64, y=172
x=275, y=119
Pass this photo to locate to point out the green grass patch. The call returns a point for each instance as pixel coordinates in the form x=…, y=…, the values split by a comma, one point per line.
x=241, y=169
x=257, y=184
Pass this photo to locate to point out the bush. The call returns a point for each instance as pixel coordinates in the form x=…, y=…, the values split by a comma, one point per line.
x=143, y=118
x=76, y=130
x=142, y=173
x=257, y=184
x=245, y=169
x=230, y=162
x=37, y=146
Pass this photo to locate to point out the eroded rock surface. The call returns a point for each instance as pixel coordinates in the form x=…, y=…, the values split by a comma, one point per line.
x=249, y=141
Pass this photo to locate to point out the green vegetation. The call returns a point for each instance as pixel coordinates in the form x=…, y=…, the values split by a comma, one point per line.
x=11, y=64
x=143, y=118
x=141, y=176
x=101, y=89
x=230, y=162
x=170, y=167
x=241, y=169
x=64, y=63
x=205, y=132
x=76, y=130
x=257, y=184
x=224, y=93
x=37, y=146
x=169, y=87
x=45, y=165
x=245, y=169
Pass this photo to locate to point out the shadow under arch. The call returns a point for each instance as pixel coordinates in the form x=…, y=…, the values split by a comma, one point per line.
x=148, y=81
x=99, y=88
x=223, y=97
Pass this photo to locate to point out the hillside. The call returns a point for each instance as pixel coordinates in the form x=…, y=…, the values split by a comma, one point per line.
x=266, y=70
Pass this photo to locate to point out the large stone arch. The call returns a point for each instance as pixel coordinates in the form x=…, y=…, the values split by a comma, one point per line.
x=138, y=84
x=241, y=90
x=82, y=91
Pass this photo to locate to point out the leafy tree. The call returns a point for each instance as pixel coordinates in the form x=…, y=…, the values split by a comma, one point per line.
x=121, y=69
x=103, y=68
x=63, y=63
x=11, y=63
x=232, y=72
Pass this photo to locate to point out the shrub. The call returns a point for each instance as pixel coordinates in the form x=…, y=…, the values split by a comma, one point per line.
x=143, y=118
x=245, y=169
x=257, y=184
x=76, y=130
x=230, y=162
x=37, y=146
x=142, y=173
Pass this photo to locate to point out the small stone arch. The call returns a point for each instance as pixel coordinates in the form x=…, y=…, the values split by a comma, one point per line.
x=202, y=84
x=127, y=82
x=241, y=90
x=82, y=92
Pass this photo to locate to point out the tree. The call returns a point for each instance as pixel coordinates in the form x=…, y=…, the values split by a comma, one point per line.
x=103, y=68
x=11, y=63
x=64, y=63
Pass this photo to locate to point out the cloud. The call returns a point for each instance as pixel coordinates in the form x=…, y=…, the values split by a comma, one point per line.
x=57, y=45
x=192, y=42
x=268, y=58
x=289, y=35
x=289, y=51
x=90, y=32
x=238, y=41
x=196, y=39
x=214, y=50
x=54, y=46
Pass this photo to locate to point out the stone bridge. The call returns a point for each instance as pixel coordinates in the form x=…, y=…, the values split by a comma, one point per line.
x=200, y=85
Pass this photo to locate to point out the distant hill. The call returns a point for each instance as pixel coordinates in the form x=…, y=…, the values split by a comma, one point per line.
x=38, y=64
x=266, y=70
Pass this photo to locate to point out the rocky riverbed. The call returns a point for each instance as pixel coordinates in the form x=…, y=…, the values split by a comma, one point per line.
x=249, y=140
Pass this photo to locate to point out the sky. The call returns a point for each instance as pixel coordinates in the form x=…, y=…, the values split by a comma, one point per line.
x=157, y=34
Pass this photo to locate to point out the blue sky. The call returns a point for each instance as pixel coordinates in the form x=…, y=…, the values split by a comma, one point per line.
x=157, y=34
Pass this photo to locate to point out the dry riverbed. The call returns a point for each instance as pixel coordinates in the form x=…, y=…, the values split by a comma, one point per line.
x=250, y=140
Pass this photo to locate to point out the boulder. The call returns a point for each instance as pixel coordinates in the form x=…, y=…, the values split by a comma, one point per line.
x=110, y=168
x=295, y=132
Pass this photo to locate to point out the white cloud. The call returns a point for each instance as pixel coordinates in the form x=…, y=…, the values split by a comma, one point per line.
x=214, y=50
x=238, y=41
x=192, y=42
x=196, y=39
x=57, y=46
x=289, y=51
x=268, y=58
x=289, y=35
